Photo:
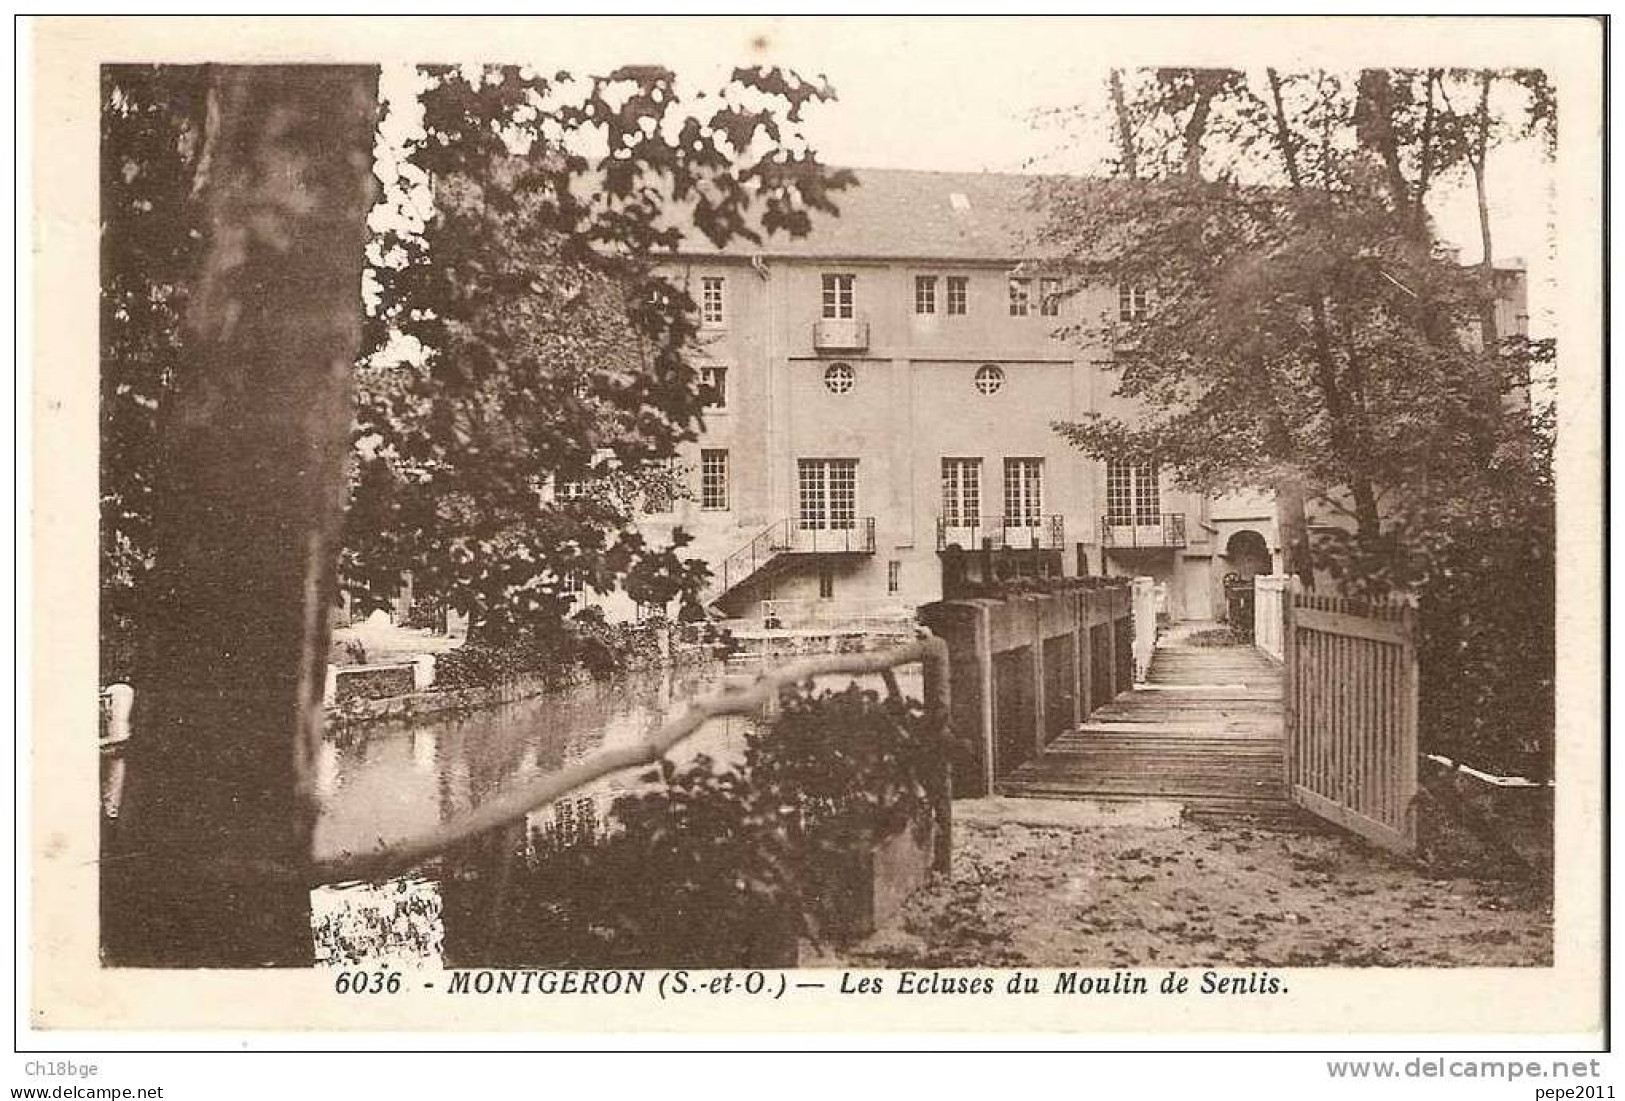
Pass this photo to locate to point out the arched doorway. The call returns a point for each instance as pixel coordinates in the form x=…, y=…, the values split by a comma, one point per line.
x=1248, y=555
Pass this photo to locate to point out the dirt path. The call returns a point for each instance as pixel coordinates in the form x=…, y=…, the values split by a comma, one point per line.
x=1202, y=895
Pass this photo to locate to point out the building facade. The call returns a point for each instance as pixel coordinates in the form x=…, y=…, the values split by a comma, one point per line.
x=884, y=389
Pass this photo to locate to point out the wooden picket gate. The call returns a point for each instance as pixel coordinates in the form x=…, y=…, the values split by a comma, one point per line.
x=1351, y=707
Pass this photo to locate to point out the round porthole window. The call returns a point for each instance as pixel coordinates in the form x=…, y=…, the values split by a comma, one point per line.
x=839, y=378
x=989, y=379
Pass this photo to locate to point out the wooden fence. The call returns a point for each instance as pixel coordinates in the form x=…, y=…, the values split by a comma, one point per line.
x=1351, y=711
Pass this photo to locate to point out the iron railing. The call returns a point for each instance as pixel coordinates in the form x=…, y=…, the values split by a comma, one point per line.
x=1015, y=533
x=845, y=334
x=792, y=615
x=790, y=537
x=1159, y=530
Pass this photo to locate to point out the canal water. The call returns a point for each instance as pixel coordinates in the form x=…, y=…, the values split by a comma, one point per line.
x=387, y=782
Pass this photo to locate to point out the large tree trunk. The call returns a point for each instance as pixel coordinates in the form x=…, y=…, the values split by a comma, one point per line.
x=1292, y=523
x=250, y=501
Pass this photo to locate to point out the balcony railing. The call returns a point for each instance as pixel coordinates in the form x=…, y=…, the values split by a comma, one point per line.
x=1015, y=533
x=789, y=537
x=858, y=537
x=795, y=615
x=850, y=334
x=1151, y=531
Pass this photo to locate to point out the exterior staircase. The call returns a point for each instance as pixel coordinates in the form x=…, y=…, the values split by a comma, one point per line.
x=1204, y=731
x=784, y=545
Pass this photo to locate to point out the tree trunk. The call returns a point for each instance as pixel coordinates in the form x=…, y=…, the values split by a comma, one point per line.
x=1480, y=157
x=1125, y=127
x=247, y=521
x=1366, y=516
x=1292, y=525
x=1375, y=108
x=1208, y=83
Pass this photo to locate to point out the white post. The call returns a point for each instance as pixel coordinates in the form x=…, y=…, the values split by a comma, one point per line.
x=456, y=624
x=120, y=699
x=1269, y=608
x=1145, y=625
x=120, y=702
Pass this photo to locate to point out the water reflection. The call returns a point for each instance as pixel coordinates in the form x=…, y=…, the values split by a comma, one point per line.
x=389, y=782
x=385, y=783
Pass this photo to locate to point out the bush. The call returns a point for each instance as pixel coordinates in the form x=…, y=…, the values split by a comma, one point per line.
x=1024, y=585
x=716, y=866
x=585, y=642
x=480, y=663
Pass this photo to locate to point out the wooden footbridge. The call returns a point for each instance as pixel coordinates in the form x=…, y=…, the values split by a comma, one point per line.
x=1204, y=730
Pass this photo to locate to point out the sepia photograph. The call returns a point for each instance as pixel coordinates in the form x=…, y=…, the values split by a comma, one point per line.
x=936, y=506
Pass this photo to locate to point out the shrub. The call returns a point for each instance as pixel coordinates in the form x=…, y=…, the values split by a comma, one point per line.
x=585, y=642
x=715, y=866
x=1024, y=585
x=480, y=663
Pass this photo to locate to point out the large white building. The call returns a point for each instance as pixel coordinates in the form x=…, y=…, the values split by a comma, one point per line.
x=885, y=389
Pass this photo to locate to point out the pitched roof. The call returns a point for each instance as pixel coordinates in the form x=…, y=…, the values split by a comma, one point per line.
x=905, y=214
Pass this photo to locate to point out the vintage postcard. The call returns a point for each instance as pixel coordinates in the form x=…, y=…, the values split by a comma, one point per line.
x=870, y=526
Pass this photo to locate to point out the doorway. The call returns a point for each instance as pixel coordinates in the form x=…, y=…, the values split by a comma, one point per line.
x=1247, y=555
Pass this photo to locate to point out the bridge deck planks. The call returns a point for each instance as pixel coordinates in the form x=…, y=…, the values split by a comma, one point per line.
x=1205, y=730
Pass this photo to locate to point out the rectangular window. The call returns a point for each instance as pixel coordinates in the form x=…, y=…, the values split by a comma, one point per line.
x=714, y=386
x=961, y=493
x=827, y=494
x=1021, y=297
x=1133, y=302
x=894, y=577
x=839, y=296
x=925, y=294
x=572, y=489
x=1132, y=496
x=713, y=310
x=826, y=583
x=958, y=295
x=1023, y=493
x=714, y=479
x=570, y=585
x=1049, y=297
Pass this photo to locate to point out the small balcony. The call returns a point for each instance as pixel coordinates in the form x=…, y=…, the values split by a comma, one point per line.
x=855, y=536
x=1148, y=532
x=849, y=334
x=1002, y=532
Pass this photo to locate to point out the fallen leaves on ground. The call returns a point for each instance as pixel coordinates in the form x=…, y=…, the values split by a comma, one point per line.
x=1203, y=895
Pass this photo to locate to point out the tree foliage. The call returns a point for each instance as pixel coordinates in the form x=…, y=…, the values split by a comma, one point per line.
x=1308, y=333
x=151, y=134
x=1303, y=322
x=505, y=461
